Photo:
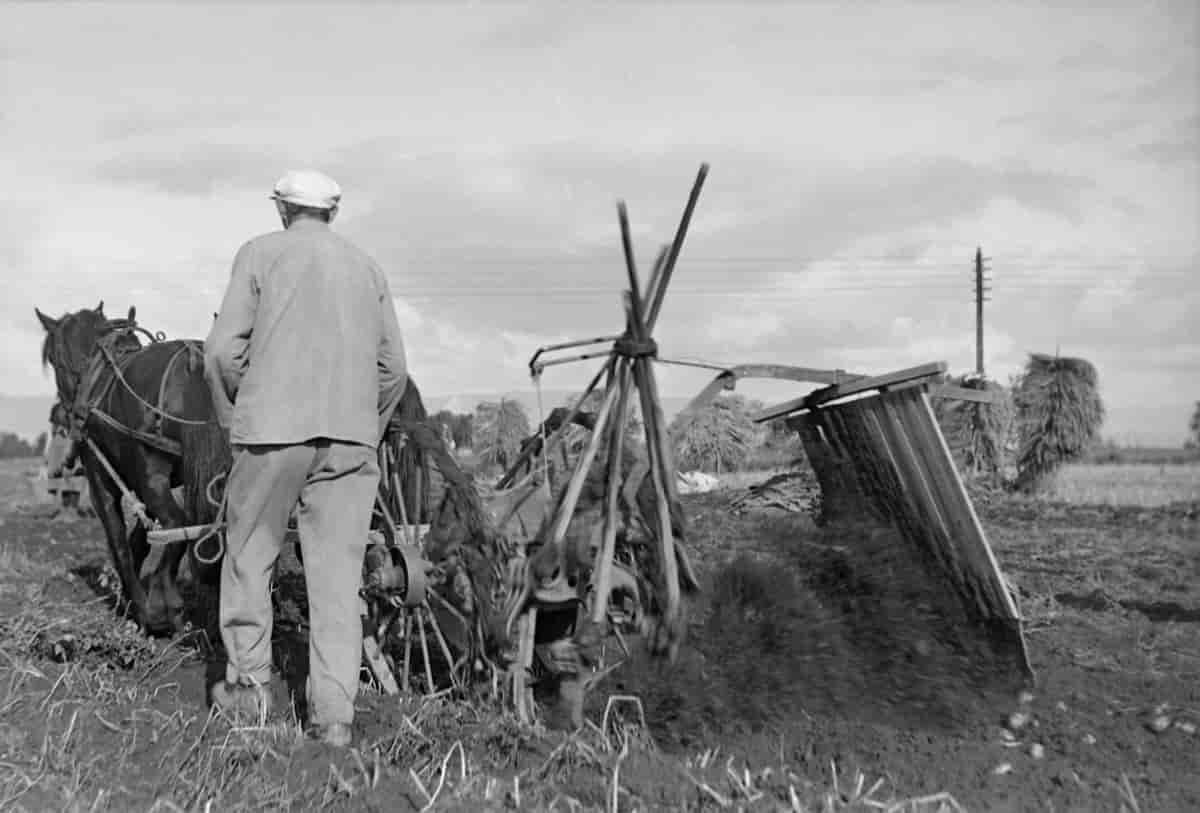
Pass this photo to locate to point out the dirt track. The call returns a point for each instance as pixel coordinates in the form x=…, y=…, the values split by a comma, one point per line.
x=806, y=664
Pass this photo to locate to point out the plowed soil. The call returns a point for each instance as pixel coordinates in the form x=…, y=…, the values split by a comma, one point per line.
x=815, y=658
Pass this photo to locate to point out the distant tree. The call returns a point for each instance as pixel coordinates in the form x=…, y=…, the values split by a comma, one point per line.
x=1193, y=440
x=717, y=437
x=1058, y=413
x=39, y=443
x=497, y=431
x=13, y=446
x=595, y=399
x=458, y=424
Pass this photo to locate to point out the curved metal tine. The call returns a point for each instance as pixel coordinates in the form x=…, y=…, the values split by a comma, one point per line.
x=430, y=687
x=405, y=684
x=441, y=639
x=409, y=532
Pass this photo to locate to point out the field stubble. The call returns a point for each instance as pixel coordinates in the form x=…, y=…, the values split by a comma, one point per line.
x=810, y=684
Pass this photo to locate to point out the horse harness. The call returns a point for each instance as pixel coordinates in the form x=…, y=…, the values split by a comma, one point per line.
x=114, y=351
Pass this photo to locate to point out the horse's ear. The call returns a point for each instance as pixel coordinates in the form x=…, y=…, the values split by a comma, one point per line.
x=48, y=323
x=132, y=312
x=100, y=308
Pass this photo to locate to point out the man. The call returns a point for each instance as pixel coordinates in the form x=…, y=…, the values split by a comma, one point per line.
x=306, y=364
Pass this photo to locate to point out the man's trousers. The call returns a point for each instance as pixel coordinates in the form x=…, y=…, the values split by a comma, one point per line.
x=332, y=485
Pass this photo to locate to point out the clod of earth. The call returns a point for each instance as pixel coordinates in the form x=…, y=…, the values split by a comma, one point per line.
x=1018, y=720
x=1158, y=723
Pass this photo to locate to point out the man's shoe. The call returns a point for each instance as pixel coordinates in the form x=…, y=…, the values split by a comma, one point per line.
x=336, y=734
x=247, y=701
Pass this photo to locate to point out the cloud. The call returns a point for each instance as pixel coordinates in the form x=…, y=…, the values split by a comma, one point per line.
x=1094, y=55
x=1175, y=145
x=199, y=171
x=857, y=161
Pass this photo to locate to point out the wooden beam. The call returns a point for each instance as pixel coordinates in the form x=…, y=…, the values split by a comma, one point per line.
x=966, y=394
x=727, y=379
x=787, y=372
x=837, y=391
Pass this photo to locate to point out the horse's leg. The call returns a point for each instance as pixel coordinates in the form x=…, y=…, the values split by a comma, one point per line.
x=106, y=503
x=155, y=471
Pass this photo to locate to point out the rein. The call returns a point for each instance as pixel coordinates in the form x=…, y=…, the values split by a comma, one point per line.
x=116, y=368
x=92, y=388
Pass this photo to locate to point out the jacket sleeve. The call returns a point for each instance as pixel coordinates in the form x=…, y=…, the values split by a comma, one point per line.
x=392, y=364
x=226, y=350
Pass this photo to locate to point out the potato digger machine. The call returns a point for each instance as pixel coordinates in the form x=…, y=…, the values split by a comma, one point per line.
x=544, y=583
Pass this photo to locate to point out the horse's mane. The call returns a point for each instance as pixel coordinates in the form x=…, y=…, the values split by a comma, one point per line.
x=120, y=332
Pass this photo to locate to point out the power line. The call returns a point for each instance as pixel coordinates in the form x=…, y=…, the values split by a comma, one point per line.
x=949, y=288
x=1171, y=264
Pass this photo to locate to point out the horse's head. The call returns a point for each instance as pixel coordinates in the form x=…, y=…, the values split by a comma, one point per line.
x=70, y=341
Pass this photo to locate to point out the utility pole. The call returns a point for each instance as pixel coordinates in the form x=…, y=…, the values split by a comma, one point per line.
x=980, y=298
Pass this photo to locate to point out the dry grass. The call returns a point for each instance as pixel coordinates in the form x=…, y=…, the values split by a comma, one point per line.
x=1130, y=484
x=734, y=480
x=1144, y=485
x=95, y=717
x=121, y=725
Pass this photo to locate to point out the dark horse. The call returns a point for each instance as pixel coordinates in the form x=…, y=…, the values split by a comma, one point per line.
x=147, y=410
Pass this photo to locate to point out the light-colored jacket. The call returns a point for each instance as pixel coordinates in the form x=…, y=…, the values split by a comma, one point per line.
x=306, y=344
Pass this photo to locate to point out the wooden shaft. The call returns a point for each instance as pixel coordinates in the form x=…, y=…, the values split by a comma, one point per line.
x=189, y=533
x=604, y=557
x=676, y=247
x=571, y=498
x=634, y=294
x=660, y=262
x=668, y=456
x=655, y=448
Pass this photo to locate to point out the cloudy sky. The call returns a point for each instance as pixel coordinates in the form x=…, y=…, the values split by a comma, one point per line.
x=859, y=153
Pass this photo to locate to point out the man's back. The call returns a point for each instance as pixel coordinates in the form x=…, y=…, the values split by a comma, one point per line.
x=317, y=314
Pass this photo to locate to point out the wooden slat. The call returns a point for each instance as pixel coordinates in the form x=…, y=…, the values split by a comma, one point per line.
x=921, y=523
x=886, y=452
x=921, y=422
x=837, y=391
x=931, y=524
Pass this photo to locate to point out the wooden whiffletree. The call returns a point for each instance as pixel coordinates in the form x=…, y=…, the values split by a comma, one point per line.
x=629, y=373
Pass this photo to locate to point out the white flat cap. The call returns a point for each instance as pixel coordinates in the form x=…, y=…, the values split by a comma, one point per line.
x=308, y=187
